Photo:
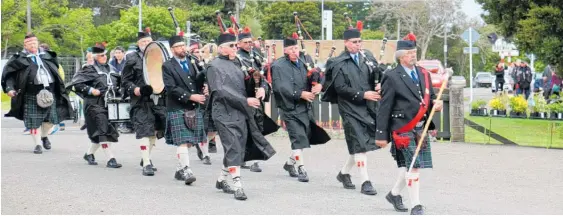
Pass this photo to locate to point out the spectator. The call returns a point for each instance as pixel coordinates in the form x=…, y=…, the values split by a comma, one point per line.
x=524, y=79
x=118, y=59
x=556, y=83
x=499, y=73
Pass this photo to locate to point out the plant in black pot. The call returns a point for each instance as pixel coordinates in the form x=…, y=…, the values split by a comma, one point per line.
x=518, y=107
x=479, y=108
x=556, y=111
x=498, y=107
x=540, y=109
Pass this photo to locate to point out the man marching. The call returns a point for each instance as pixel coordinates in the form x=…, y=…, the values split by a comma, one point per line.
x=252, y=59
x=184, y=121
x=350, y=84
x=290, y=85
x=233, y=115
x=407, y=99
x=93, y=83
x=41, y=99
x=147, y=116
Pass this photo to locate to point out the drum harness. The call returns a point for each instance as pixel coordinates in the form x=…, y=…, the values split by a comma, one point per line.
x=110, y=92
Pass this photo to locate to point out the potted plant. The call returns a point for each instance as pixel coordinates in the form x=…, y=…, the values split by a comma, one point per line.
x=556, y=110
x=518, y=106
x=539, y=111
x=498, y=108
x=478, y=108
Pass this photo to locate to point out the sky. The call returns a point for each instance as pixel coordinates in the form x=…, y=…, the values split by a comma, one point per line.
x=471, y=8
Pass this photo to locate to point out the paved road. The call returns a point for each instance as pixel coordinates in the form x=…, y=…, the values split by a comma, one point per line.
x=478, y=94
x=467, y=179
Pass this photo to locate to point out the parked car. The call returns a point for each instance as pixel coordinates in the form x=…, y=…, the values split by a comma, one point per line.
x=437, y=72
x=484, y=79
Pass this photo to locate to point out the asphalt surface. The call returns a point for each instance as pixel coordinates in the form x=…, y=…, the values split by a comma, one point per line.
x=467, y=179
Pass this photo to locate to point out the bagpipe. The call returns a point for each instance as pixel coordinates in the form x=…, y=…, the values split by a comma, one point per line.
x=314, y=75
x=373, y=66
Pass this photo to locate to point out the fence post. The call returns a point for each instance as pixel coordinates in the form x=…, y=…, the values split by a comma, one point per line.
x=457, y=114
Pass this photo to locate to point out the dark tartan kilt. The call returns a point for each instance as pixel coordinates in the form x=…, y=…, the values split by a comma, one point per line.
x=178, y=133
x=34, y=115
x=404, y=156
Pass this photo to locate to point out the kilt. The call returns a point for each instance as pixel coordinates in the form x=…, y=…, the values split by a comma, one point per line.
x=177, y=132
x=34, y=115
x=403, y=157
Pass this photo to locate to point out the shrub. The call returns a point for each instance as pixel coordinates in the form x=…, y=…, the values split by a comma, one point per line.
x=518, y=104
x=497, y=104
x=540, y=104
x=478, y=104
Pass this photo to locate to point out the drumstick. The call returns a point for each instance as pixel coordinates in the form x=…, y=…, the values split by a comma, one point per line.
x=428, y=121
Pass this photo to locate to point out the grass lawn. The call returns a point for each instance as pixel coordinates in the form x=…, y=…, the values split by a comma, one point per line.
x=474, y=136
x=526, y=132
x=5, y=102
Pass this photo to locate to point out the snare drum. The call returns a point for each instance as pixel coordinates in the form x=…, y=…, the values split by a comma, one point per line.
x=118, y=110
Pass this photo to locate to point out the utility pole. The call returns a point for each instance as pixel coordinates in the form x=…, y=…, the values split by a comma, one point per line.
x=28, y=15
x=140, y=16
x=237, y=8
x=445, y=46
x=398, y=29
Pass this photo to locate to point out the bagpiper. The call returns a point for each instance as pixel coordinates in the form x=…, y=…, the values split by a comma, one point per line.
x=407, y=99
x=41, y=100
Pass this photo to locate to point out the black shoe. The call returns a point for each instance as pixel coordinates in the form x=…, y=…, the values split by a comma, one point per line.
x=417, y=210
x=290, y=169
x=179, y=175
x=148, y=170
x=189, y=177
x=302, y=176
x=206, y=160
x=199, y=152
x=112, y=163
x=346, y=181
x=83, y=127
x=212, y=148
x=223, y=185
x=90, y=159
x=244, y=166
x=152, y=165
x=368, y=189
x=46, y=143
x=397, y=202
x=255, y=168
x=38, y=150
x=239, y=194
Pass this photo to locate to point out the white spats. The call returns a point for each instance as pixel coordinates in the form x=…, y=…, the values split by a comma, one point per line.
x=413, y=183
x=224, y=173
x=183, y=156
x=361, y=163
x=36, y=136
x=348, y=166
x=93, y=148
x=235, y=173
x=45, y=128
x=107, y=150
x=297, y=155
x=152, y=143
x=145, y=154
x=400, y=183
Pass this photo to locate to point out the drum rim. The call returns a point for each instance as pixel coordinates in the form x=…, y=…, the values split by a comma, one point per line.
x=165, y=53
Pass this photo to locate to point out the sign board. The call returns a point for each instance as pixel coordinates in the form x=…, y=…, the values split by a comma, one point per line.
x=502, y=46
x=474, y=35
x=474, y=50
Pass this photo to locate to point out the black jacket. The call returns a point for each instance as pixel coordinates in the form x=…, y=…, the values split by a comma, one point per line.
x=180, y=85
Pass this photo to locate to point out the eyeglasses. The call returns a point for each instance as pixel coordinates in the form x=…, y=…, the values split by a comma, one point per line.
x=356, y=41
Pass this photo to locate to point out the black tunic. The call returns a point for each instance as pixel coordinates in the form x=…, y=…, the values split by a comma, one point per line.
x=19, y=73
x=233, y=118
x=95, y=76
x=146, y=116
x=345, y=84
x=289, y=80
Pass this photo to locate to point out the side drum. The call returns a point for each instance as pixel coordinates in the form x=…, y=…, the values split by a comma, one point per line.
x=155, y=55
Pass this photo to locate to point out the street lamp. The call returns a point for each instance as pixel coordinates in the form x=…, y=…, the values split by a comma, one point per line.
x=447, y=27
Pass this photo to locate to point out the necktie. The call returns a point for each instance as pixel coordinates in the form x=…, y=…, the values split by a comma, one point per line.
x=356, y=59
x=297, y=64
x=34, y=59
x=413, y=75
x=185, y=66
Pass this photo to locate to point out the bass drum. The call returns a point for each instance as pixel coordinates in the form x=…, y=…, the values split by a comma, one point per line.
x=155, y=55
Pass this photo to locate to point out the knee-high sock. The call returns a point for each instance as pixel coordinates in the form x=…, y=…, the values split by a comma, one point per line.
x=413, y=183
x=183, y=156
x=152, y=143
x=224, y=174
x=297, y=155
x=93, y=148
x=36, y=136
x=107, y=150
x=400, y=183
x=235, y=173
x=348, y=166
x=361, y=162
x=45, y=128
x=145, y=142
x=211, y=136
x=204, y=146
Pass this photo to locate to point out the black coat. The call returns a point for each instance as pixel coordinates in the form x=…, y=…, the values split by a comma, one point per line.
x=255, y=63
x=180, y=85
x=400, y=101
x=231, y=113
x=288, y=82
x=19, y=73
x=132, y=74
x=98, y=126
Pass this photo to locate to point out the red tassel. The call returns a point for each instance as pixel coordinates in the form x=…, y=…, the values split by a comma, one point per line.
x=231, y=31
x=295, y=36
x=181, y=34
x=246, y=30
x=359, y=25
x=410, y=37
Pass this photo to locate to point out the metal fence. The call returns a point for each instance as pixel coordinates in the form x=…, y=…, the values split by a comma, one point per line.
x=70, y=66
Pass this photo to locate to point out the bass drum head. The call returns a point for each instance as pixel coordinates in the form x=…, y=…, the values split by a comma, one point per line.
x=155, y=55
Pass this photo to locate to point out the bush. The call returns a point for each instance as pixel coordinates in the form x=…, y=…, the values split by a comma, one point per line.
x=497, y=104
x=518, y=104
x=540, y=104
x=555, y=107
x=478, y=104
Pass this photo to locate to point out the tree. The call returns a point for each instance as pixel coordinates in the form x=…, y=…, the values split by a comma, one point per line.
x=534, y=26
x=425, y=19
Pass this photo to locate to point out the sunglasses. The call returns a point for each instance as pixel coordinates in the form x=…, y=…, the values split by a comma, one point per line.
x=232, y=45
